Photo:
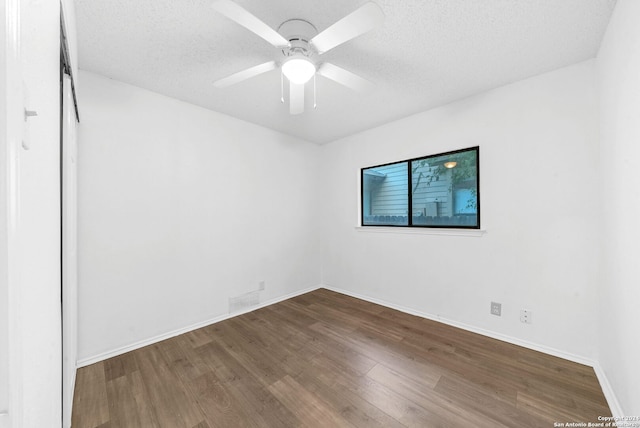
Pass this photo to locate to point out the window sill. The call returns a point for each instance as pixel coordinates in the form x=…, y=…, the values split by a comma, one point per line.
x=423, y=231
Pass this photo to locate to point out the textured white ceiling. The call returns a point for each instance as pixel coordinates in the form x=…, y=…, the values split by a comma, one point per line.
x=427, y=53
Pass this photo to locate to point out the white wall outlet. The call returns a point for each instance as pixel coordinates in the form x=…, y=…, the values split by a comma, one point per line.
x=261, y=285
x=496, y=309
x=525, y=316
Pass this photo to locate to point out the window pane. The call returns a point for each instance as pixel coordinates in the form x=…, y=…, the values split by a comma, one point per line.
x=444, y=190
x=385, y=195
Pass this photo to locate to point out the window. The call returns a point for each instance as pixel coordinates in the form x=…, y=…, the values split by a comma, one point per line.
x=433, y=191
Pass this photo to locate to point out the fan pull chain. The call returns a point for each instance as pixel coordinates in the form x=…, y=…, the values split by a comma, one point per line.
x=281, y=86
x=315, y=104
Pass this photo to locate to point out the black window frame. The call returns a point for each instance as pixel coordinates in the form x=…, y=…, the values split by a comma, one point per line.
x=410, y=196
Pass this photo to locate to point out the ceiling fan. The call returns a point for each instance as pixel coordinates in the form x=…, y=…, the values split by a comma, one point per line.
x=301, y=45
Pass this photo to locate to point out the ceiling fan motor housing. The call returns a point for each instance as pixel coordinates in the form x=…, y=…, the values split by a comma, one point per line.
x=299, y=33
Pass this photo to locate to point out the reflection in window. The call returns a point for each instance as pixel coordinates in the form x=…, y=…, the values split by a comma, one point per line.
x=442, y=191
x=385, y=196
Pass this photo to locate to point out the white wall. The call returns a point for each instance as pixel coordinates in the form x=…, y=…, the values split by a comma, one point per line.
x=619, y=303
x=539, y=200
x=182, y=208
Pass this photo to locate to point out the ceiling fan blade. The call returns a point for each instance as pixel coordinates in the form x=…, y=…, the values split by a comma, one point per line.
x=245, y=74
x=344, y=77
x=236, y=13
x=367, y=17
x=296, y=98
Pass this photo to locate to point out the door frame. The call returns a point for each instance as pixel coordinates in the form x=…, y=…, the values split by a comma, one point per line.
x=12, y=111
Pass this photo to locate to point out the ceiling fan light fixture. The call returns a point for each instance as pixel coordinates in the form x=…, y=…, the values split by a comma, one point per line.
x=298, y=70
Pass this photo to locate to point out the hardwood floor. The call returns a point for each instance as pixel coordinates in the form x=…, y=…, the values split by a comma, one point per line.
x=324, y=359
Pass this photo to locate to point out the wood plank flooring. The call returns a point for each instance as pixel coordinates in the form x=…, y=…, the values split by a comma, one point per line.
x=324, y=359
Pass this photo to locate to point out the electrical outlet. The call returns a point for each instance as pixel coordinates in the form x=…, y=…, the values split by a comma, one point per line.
x=261, y=285
x=525, y=316
x=496, y=309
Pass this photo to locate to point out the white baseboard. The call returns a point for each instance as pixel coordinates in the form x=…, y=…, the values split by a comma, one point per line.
x=150, y=341
x=612, y=400
x=609, y=394
x=503, y=337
